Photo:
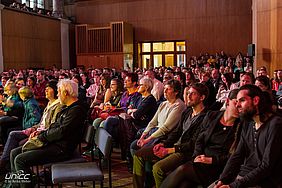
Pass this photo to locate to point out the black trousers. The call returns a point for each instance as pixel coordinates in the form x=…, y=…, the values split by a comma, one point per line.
x=191, y=175
x=21, y=162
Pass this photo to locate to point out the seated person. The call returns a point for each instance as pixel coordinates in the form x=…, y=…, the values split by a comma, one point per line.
x=48, y=117
x=32, y=113
x=212, y=148
x=81, y=89
x=256, y=161
x=112, y=98
x=179, y=146
x=12, y=109
x=166, y=117
x=129, y=99
x=100, y=94
x=135, y=118
x=61, y=139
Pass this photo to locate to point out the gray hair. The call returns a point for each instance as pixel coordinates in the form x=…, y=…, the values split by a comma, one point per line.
x=148, y=83
x=70, y=86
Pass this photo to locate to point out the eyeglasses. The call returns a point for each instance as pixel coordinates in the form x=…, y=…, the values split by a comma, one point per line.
x=192, y=93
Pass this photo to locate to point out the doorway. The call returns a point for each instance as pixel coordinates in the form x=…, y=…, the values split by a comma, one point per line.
x=156, y=54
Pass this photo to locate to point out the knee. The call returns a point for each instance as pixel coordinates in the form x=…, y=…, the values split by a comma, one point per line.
x=14, y=134
x=180, y=170
x=96, y=122
x=136, y=159
x=110, y=123
x=13, y=154
x=138, y=165
x=157, y=168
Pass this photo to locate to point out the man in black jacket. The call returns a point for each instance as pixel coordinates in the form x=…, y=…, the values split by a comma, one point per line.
x=179, y=146
x=212, y=149
x=257, y=159
x=60, y=141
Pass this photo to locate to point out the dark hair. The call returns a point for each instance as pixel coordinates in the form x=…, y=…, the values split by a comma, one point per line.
x=53, y=84
x=64, y=75
x=264, y=80
x=229, y=77
x=233, y=94
x=202, y=89
x=33, y=80
x=120, y=87
x=19, y=79
x=182, y=77
x=76, y=76
x=251, y=75
x=265, y=104
x=192, y=76
x=176, y=85
x=107, y=77
x=133, y=76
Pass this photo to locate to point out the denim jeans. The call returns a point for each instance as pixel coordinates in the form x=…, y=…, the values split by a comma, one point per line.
x=13, y=141
x=8, y=124
x=111, y=125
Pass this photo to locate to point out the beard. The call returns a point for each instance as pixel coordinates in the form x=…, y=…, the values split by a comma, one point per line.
x=248, y=114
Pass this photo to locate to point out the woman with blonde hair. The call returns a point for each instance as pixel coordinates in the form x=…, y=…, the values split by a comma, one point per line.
x=12, y=110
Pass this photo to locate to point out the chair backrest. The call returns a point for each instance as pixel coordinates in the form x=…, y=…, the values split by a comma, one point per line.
x=103, y=141
x=89, y=132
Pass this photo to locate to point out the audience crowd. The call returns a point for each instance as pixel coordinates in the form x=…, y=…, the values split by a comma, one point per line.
x=213, y=123
x=23, y=7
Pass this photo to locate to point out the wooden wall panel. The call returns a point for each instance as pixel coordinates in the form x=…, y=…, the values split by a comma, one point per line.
x=30, y=40
x=269, y=34
x=101, y=60
x=205, y=25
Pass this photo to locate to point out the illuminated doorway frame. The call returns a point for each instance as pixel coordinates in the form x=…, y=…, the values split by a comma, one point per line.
x=147, y=52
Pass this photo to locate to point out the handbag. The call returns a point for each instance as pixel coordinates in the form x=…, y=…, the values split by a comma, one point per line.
x=95, y=113
x=31, y=144
x=111, y=112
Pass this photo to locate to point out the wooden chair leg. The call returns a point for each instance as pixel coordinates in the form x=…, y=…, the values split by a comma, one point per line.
x=38, y=177
x=110, y=173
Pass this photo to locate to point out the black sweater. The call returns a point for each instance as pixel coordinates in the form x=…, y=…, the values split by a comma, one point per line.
x=258, y=156
x=189, y=137
x=145, y=111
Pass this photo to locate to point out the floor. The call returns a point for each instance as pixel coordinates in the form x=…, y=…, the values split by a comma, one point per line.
x=120, y=175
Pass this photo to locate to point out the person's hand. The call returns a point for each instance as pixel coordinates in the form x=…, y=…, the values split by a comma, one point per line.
x=203, y=159
x=142, y=142
x=161, y=152
x=28, y=131
x=218, y=184
x=33, y=134
x=101, y=106
x=2, y=113
x=131, y=111
x=107, y=106
x=224, y=186
x=10, y=103
x=157, y=147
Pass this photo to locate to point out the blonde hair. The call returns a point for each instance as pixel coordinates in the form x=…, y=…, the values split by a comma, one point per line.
x=13, y=87
x=26, y=92
x=70, y=86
